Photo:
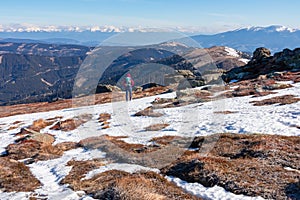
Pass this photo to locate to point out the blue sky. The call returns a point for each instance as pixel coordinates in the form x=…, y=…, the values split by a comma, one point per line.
x=208, y=15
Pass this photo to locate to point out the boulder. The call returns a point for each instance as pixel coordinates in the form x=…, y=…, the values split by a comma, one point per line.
x=106, y=88
x=260, y=53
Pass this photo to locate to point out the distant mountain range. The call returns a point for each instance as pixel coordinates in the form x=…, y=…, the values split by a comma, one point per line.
x=275, y=38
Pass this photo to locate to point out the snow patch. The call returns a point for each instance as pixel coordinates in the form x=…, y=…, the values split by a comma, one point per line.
x=231, y=52
x=216, y=192
x=46, y=82
x=1, y=59
x=51, y=172
x=244, y=60
x=130, y=168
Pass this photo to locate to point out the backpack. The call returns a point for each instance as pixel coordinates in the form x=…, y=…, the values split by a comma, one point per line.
x=128, y=81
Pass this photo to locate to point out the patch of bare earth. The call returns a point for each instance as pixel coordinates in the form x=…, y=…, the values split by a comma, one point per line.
x=252, y=165
x=72, y=124
x=16, y=177
x=153, y=155
x=115, y=184
x=281, y=100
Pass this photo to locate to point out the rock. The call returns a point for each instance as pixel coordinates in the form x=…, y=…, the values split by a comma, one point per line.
x=259, y=54
x=150, y=85
x=263, y=63
x=148, y=112
x=138, y=89
x=186, y=73
x=156, y=127
x=106, y=88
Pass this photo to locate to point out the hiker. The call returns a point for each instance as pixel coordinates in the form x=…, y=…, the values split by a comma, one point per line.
x=128, y=83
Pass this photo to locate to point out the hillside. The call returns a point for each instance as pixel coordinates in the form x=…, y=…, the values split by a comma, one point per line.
x=199, y=145
x=46, y=72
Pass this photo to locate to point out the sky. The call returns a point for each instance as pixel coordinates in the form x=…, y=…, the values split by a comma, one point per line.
x=206, y=15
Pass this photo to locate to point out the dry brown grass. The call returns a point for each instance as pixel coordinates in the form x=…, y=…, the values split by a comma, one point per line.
x=37, y=150
x=155, y=156
x=72, y=124
x=16, y=177
x=244, y=164
x=281, y=100
x=121, y=185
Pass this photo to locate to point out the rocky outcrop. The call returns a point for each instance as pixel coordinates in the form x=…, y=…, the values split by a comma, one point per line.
x=262, y=63
x=106, y=88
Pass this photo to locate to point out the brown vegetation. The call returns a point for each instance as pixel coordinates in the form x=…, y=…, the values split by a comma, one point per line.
x=122, y=185
x=153, y=155
x=16, y=177
x=244, y=164
x=72, y=124
x=281, y=100
x=34, y=150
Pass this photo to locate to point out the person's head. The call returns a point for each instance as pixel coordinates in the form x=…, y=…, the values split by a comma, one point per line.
x=128, y=75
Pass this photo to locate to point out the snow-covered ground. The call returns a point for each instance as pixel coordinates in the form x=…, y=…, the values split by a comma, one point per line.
x=191, y=120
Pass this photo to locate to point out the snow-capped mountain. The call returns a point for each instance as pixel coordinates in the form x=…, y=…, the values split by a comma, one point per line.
x=270, y=29
x=275, y=38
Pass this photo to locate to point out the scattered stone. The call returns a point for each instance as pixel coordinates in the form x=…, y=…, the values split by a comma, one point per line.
x=156, y=127
x=148, y=112
x=106, y=88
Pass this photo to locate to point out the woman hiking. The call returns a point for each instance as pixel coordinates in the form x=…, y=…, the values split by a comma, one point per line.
x=128, y=84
